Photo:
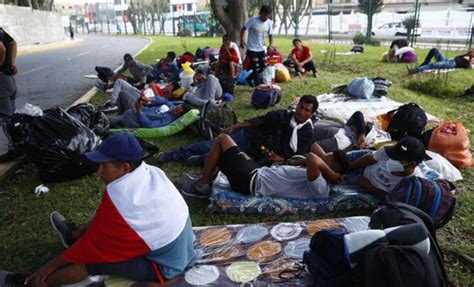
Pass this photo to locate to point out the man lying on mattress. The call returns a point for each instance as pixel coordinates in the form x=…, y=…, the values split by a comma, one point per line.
x=141, y=231
x=145, y=112
x=284, y=133
x=381, y=171
x=247, y=177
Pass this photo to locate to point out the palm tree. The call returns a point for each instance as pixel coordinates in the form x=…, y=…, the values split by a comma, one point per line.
x=410, y=23
x=370, y=7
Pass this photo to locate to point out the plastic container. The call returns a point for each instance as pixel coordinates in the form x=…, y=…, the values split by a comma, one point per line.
x=186, y=76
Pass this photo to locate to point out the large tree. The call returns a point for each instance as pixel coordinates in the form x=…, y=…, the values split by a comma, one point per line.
x=232, y=15
x=370, y=7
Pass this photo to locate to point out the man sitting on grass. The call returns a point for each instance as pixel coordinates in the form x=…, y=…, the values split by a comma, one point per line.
x=381, y=171
x=247, y=177
x=141, y=73
x=206, y=88
x=284, y=133
x=145, y=112
x=141, y=231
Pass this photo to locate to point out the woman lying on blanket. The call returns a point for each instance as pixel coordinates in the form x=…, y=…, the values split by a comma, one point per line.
x=246, y=176
x=145, y=112
x=349, y=137
x=464, y=61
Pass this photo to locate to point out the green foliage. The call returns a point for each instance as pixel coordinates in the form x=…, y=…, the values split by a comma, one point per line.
x=410, y=23
x=185, y=33
x=359, y=39
x=375, y=42
x=436, y=85
x=377, y=6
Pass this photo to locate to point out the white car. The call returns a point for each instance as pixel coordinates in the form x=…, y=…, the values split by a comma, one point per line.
x=393, y=29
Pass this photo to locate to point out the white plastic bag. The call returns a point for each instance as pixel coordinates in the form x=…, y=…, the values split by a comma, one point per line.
x=376, y=136
x=30, y=110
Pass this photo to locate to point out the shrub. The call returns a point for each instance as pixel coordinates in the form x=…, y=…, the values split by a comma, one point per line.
x=375, y=42
x=185, y=33
x=359, y=39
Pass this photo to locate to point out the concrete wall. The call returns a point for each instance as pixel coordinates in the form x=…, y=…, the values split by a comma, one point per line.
x=29, y=26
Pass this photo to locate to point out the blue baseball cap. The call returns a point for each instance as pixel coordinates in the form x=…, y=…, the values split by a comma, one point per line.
x=120, y=147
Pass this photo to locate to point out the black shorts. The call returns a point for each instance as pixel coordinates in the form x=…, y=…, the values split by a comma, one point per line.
x=239, y=170
x=137, y=269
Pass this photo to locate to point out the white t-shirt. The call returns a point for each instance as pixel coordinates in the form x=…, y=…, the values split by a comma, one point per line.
x=257, y=31
x=289, y=181
x=380, y=177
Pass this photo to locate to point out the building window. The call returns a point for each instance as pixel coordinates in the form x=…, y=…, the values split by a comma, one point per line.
x=327, y=1
x=189, y=7
x=175, y=8
x=118, y=2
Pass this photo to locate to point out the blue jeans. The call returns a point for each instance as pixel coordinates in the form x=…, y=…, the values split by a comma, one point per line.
x=441, y=62
x=203, y=147
x=350, y=177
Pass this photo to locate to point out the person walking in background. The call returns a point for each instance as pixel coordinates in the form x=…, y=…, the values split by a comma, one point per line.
x=71, y=31
x=258, y=27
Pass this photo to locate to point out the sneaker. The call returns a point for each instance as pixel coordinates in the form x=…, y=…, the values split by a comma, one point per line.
x=410, y=71
x=14, y=280
x=197, y=160
x=191, y=187
x=10, y=155
x=63, y=227
x=161, y=158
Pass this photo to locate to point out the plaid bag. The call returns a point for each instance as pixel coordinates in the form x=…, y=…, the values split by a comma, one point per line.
x=432, y=196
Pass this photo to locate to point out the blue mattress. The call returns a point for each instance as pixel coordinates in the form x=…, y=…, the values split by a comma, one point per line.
x=342, y=197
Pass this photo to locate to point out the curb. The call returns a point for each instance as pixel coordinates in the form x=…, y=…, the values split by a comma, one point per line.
x=91, y=93
x=7, y=168
x=30, y=49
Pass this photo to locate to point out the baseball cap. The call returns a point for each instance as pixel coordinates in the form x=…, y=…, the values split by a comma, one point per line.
x=409, y=148
x=127, y=57
x=120, y=147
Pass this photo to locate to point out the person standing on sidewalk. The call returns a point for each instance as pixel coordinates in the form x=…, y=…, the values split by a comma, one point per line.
x=8, y=89
x=258, y=27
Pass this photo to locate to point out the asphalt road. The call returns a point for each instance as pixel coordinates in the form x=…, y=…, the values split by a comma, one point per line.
x=55, y=77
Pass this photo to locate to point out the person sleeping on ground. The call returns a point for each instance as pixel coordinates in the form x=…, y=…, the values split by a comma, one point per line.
x=247, y=177
x=349, y=137
x=206, y=87
x=379, y=172
x=145, y=112
x=302, y=58
x=284, y=133
x=464, y=61
x=141, y=231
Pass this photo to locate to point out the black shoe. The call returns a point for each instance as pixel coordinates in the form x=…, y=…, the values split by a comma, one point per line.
x=10, y=155
x=15, y=280
x=64, y=228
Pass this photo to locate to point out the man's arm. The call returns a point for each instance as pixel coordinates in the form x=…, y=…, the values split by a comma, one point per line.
x=309, y=59
x=119, y=72
x=38, y=278
x=362, y=162
x=270, y=40
x=242, y=125
x=366, y=185
x=13, y=49
x=242, y=42
x=3, y=52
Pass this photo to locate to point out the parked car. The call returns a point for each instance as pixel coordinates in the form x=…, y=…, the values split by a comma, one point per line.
x=393, y=29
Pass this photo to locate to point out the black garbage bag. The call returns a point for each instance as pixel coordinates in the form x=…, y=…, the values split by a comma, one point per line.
x=91, y=117
x=55, y=143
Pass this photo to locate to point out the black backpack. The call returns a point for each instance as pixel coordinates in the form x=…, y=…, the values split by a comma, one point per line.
x=214, y=118
x=396, y=214
x=381, y=86
x=397, y=266
x=409, y=120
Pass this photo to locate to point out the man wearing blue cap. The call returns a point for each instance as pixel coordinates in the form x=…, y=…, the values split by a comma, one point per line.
x=141, y=230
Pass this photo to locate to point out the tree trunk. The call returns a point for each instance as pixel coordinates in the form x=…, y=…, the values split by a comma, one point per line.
x=232, y=16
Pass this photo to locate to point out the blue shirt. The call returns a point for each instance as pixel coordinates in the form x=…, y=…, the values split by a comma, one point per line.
x=257, y=31
x=152, y=117
x=176, y=256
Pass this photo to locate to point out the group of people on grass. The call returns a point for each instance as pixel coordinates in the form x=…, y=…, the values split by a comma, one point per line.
x=142, y=229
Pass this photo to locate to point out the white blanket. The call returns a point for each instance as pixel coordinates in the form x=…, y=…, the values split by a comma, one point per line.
x=341, y=107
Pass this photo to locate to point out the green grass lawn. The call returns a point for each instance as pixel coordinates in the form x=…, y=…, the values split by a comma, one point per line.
x=28, y=241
